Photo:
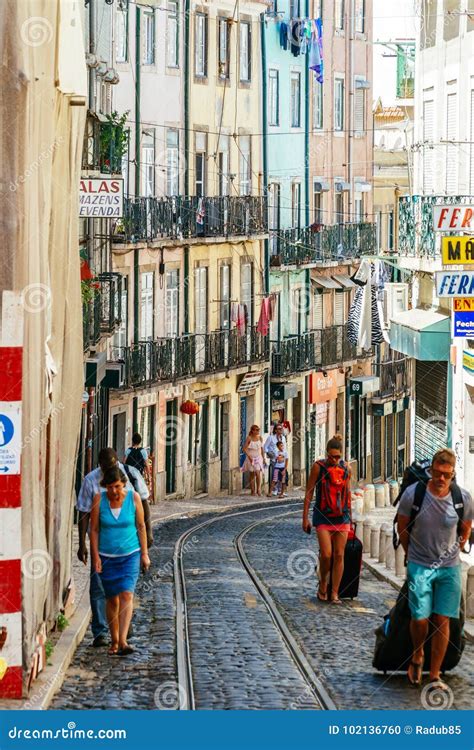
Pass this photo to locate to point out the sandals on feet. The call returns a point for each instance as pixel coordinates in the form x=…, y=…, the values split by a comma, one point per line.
x=336, y=600
x=322, y=596
x=126, y=651
x=113, y=649
x=417, y=671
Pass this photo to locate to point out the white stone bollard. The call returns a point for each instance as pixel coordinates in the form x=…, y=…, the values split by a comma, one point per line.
x=389, y=551
x=366, y=535
x=382, y=529
x=394, y=490
x=374, y=541
x=379, y=496
x=470, y=593
x=400, y=561
x=387, y=494
x=357, y=501
x=369, y=498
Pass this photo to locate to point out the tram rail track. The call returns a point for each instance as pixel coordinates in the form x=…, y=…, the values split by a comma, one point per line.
x=183, y=644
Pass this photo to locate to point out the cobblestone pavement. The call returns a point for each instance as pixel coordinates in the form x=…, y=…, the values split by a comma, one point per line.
x=238, y=657
x=339, y=641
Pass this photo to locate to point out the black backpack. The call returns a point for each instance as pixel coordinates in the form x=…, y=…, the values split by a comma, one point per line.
x=133, y=480
x=135, y=459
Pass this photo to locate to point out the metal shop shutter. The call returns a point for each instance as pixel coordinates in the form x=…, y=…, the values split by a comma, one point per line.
x=318, y=317
x=339, y=308
x=431, y=383
x=388, y=446
x=377, y=448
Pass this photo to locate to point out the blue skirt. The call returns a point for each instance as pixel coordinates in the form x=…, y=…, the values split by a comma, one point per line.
x=120, y=573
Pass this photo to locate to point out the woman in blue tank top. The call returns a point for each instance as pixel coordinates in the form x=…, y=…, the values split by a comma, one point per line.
x=118, y=546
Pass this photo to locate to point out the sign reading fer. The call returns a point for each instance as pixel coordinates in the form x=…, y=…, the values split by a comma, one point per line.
x=452, y=218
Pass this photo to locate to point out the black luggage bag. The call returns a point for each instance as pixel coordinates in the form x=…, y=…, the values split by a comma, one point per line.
x=349, y=587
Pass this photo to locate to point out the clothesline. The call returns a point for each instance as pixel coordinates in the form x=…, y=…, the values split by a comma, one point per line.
x=304, y=36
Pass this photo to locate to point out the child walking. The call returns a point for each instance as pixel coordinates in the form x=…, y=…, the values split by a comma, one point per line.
x=280, y=471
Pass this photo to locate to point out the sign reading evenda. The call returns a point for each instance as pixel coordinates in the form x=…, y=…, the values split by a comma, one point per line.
x=452, y=218
x=455, y=283
x=458, y=250
x=101, y=198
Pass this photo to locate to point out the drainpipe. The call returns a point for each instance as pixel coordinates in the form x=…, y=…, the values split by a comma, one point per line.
x=136, y=257
x=266, y=246
x=307, y=218
x=187, y=12
x=351, y=106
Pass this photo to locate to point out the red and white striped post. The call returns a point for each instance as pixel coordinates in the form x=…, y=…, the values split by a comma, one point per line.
x=11, y=672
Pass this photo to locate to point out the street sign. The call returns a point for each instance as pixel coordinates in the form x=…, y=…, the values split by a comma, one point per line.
x=463, y=325
x=10, y=437
x=455, y=283
x=463, y=304
x=453, y=218
x=101, y=198
x=457, y=250
x=364, y=385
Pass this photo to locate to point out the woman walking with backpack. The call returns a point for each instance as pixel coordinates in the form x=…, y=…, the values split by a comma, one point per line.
x=331, y=515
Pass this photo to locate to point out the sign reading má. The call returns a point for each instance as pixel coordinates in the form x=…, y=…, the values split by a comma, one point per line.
x=459, y=250
x=101, y=198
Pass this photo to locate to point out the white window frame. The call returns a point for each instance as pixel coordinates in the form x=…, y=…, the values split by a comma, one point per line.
x=245, y=162
x=223, y=48
x=318, y=213
x=359, y=127
x=296, y=205
x=339, y=93
x=339, y=15
x=172, y=161
x=295, y=102
x=359, y=12
x=121, y=36
x=149, y=37
x=318, y=105
x=172, y=34
x=172, y=303
x=200, y=45
x=147, y=291
x=148, y=169
x=245, y=51
x=273, y=97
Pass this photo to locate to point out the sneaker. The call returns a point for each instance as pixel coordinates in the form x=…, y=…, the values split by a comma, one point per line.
x=100, y=642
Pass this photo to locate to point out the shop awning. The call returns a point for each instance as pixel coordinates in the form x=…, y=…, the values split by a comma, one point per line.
x=422, y=334
x=344, y=281
x=325, y=282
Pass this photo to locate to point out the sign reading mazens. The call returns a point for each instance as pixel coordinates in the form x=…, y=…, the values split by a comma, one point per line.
x=101, y=198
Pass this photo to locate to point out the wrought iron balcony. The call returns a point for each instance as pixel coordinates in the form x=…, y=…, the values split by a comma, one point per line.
x=416, y=235
x=103, y=147
x=395, y=376
x=321, y=244
x=102, y=313
x=182, y=217
x=315, y=349
x=172, y=359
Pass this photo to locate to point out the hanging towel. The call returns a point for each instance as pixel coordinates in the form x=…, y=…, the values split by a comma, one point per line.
x=234, y=312
x=263, y=324
x=283, y=35
x=200, y=211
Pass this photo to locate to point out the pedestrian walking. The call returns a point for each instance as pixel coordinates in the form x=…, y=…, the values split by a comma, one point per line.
x=331, y=478
x=434, y=523
x=137, y=456
x=89, y=489
x=270, y=449
x=118, y=549
x=254, y=460
x=280, y=472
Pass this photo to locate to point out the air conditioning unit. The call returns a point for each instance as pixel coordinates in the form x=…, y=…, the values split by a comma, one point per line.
x=395, y=300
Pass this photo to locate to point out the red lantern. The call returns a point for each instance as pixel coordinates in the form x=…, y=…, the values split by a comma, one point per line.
x=190, y=407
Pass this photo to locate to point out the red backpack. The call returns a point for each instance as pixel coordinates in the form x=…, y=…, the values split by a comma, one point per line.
x=333, y=489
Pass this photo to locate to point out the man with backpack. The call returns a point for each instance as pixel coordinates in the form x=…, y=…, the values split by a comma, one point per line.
x=136, y=456
x=434, y=523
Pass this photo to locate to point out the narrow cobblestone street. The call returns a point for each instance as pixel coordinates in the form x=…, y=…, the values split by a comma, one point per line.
x=239, y=659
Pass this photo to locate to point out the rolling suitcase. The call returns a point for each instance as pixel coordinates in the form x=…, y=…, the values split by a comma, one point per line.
x=349, y=587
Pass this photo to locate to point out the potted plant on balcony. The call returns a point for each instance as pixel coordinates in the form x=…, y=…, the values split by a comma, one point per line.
x=113, y=142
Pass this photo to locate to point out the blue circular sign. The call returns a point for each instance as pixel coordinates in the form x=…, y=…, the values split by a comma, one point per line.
x=6, y=430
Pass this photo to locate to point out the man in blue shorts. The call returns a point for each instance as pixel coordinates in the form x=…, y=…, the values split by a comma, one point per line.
x=433, y=543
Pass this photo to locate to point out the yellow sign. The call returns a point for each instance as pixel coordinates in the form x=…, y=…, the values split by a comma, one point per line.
x=463, y=304
x=468, y=362
x=458, y=250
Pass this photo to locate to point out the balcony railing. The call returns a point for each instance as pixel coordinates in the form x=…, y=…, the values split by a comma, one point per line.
x=395, y=377
x=319, y=243
x=102, y=314
x=313, y=350
x=103, y=149
x=416, y=235
x=171, y=359
x=181, y=217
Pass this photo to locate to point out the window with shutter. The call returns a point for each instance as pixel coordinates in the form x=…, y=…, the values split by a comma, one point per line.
x=451, y=150
x=146, y=306
x=338, y=104
x=318, y=311
x=377, y=448
x=339, y=308
x=359, y=110
x=388, y=446
x=428, y=153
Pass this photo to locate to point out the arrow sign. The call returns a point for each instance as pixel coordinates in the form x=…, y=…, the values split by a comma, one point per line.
x=4, y=468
